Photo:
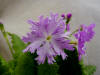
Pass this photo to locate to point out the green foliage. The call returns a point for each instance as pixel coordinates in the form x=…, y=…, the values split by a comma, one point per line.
x=72, y=66
x=1, y=27
x=89, y=69
x=6, y=37
x=47, y=69
x=17, y=44
x=12, y=65
x=26, y=65
x=69, y=66
x=4, y=69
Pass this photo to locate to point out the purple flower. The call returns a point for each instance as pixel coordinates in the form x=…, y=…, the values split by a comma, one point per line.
x=85, y=34
x=48, y=38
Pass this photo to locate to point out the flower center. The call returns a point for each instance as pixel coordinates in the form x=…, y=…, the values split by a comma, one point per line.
x=48, y=38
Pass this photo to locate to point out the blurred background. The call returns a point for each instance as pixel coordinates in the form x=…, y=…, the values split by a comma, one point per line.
x=15, y=13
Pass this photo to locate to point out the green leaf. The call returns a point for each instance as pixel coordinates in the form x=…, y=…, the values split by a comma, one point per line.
x=89, y=69
x=26, y=65
x=47, y=69
x=17, y=44
x=71, y=65
x=1, y=27
x=3, y=30
x=4, y=69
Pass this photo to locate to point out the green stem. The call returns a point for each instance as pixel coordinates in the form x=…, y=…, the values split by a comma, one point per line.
x=67, y=21
x=74, y=32
x=6, y=38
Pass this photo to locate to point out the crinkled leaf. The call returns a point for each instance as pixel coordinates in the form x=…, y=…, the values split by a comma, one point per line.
x=47, y=69
x=71, y=65
x=26, y=65
x=89, y=69
x=17, y=44
x=4, y=69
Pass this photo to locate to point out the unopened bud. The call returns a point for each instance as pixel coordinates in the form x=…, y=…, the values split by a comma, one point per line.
x=63, y=16
x=69, y=15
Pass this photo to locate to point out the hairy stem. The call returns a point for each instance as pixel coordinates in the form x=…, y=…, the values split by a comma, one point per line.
x=6, y=38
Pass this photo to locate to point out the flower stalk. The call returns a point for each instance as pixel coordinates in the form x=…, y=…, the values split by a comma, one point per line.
x=6, y=38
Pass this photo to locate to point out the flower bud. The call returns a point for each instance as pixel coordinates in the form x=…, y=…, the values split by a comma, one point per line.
x=63, y=16
x=69, y=15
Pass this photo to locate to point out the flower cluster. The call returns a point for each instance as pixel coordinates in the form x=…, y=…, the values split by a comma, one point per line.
x=84, y=34
x=50, y=36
